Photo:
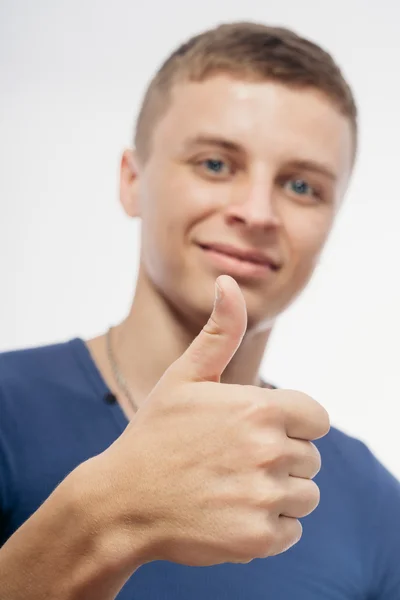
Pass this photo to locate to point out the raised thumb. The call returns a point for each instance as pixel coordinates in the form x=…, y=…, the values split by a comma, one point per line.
x=212, y=350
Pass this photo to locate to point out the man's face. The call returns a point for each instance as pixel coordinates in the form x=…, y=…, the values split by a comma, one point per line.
x=243, y=178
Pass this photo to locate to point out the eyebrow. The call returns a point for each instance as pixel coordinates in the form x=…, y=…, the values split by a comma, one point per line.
x=210, y=140
x=313, y=166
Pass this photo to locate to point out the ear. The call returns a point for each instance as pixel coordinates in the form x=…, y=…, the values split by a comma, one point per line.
x=129, y=183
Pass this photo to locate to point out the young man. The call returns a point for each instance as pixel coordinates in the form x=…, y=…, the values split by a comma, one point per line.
x=170, y=451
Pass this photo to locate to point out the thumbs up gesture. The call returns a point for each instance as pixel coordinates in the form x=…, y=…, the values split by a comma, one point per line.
x=214, y=472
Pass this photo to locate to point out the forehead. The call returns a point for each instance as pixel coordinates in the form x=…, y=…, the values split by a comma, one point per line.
x=267, y=119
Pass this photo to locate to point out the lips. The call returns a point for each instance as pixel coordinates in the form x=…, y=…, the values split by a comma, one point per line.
x=250, y=256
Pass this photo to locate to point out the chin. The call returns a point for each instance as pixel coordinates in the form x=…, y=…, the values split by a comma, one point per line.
x=257, y=322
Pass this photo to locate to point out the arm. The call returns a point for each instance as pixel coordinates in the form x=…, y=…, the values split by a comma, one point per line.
x=187, y=498
x=70, y=549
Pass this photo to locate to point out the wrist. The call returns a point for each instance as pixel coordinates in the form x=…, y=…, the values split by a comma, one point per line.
x=118, y=539
x=70, y=548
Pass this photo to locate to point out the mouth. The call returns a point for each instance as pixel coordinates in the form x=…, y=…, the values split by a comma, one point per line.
x=240, y=262
x=251, y=256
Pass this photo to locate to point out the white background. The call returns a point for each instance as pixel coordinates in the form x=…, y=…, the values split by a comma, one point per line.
x=72, y=76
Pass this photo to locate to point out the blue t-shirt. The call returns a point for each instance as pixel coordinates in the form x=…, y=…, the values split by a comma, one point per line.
x=55, y=412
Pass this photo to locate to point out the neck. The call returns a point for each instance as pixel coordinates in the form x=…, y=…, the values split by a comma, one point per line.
x=154, y=335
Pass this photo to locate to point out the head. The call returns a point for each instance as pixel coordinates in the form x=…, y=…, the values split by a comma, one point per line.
x=246, y=138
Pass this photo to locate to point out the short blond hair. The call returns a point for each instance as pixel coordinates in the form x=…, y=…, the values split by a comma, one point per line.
x=249, y=51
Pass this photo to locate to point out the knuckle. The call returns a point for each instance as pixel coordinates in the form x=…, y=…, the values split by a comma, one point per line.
x=291, y=533
x=321, y=417
x=303, y=498
x=312, y=460
x=277, y=454
x=325, y=421
x=274, y=409
x=316, y=458
x=294, y=534
x=254, y=408
x=273, y=497
x=264, y=539
x=297, y=396
x=286, y=534
x=313, y=494
x=264, y=547
x=212, y=327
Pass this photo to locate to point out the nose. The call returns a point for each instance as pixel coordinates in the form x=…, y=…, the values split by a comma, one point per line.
x=254, y=206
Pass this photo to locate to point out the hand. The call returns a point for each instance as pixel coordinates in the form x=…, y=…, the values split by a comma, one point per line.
x=216, y=472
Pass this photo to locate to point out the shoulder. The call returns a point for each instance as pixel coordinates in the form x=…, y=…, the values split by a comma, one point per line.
x=355, y=454
x=31, y=378
x=30, y=367
x=28, y=361
x=27, y=379
x=362, y=493
x=347, y=452
x=360, y=478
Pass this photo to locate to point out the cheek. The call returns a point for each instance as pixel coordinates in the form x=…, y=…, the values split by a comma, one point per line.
x=168, y=211
x=307, y=236
x=160, y=212
x=175, y=201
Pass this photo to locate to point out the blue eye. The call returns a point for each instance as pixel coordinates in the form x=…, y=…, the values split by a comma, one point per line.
x=216, y=166
x=301, y=188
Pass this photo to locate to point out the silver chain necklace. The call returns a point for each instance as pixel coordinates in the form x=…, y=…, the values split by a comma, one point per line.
x=120, y=379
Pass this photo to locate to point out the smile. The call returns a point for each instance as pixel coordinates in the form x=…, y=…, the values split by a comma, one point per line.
x=238, y=263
